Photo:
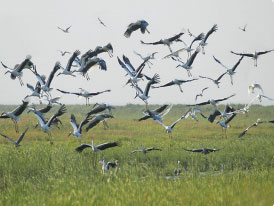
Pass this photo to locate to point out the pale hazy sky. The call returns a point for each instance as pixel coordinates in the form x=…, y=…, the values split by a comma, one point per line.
x=30, y=27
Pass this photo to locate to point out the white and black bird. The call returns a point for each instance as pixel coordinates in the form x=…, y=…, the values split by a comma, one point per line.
x=36, y=92
x=188, y=65
x=243, y=28
x=167, y=41
x=189, y=48
x=141, y=24
x=254, y=86
x=260, y=97
x=97, y=148
x=84, y=93
x=201, y=93
x=14, y=115
x=211, y=101
x=17, y=142
x=224, y=115
x=17, y=71
x=178, y=170
x=45, y=85
x=44, y=124
x=145, y=150
x=224, y=123
x=203, y=42
x=100, y=107
x=254, y=125
x=67, y=70
x=215, y=81
x=159, y=112
x=146, y=58
x=101, y=22
x=77, y=129
x=63, y=53
x=203, y=150
x=192, y=113
x=97, y=119
x=64, y=30
x=254, y=56
x=229, y=71
x=143, y=95
x=107, y=165
x=177, y=82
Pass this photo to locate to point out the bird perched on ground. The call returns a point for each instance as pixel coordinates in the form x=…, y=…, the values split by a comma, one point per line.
x=203, y=150
x=141, y=24
x=215, y=81
x=166, y=42
x=17, y=71
x=254, y=125
x=254, y=56
x=14, y=115
x=64, y=30
x=97, y=148
x=231, y=71
x=178, y=82
x=16, y=144
x=107, y=165
x=145, y=150
x=97, y=119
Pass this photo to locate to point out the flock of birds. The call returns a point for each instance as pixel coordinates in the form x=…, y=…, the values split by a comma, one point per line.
x=82, y=64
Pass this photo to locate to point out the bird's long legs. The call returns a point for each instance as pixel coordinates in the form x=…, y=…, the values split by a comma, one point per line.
x=16, y=127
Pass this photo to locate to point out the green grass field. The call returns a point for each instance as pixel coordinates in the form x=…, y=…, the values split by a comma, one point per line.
x=38, y=173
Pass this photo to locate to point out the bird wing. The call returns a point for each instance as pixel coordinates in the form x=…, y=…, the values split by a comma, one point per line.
x=213, y=29
x=219, y=62
x=206, y=78
x=193, y=56
x=221, y=76
x=30, y=87
x=230, y=118
x=198, y=38
x=45, y=109
x=159, y=121
x=264, y=52
x=155, y=79
x=219, y=100
x=161, y=109
x=21, y=137
x=107, y=145
x=138, y=54
x=71, y=59
x=152, y=43
x=125, y=67
x=136, y=151
x=127, y=62
x=152, y=148
x=193, y=150
x=64, y=92
x=97, y=108
x=82, y=147
x=258, y=86
x=131, y=28
x=85, y=121
x=60, y=112
x=204, y=89
x=166, y=85
x=245, y=131
x=93, y=123
x=8, y=138
x=49, y=80
x=174, y=123
x=38, y=76
x=176, y=37
x=237, y=64
x=20, y=109
x=213, y=115
x=200, y=104
x=40, y=117
x=242, y=54
x=73, y=122
x=266, y=97
x=68, y=28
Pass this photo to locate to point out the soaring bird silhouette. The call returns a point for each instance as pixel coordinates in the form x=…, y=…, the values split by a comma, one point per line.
x=145, y=150
x=215, y=81
x=254, y=125
x=211, y=101
x=64, y=30
x=203, y=42
x=97, y=148
x=201, y=93
x=203, y=150
x=178, y=82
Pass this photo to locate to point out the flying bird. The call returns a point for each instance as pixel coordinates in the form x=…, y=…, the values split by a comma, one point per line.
x=97, y=148
x=166, y=42
x=201, y=93
x=17, y=71
x=146, y=58
x=77, y=129
x=14, y=115
x=212, y=101
x=100, y=107
x=141, y=24
x=145, y=150
x=254, y=56
x=16, y=143
x=159, y=112
x=67, y=70
x=203, y=42
x=64, y=30
x=97, y=119
x=229, y=71
x=101, y=22
x=178, y=82
x=187, y=66
x=63, y=53
x=215, y=81
x=254, y=125
x=36, y=92
x=252, y=87
x=244, y=28
x=84, y=93
x=203, y=150
x=188, y=48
